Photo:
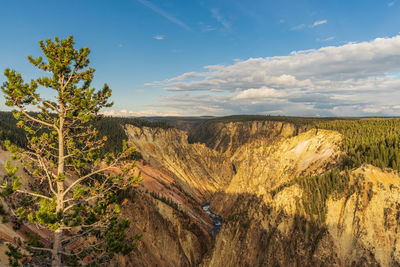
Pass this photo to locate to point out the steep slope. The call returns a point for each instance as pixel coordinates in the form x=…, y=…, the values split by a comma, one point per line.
x=180, y=231
x=265, y=161
x=262, y=165
x=12, y=231
x=365, y=223
x=250, y=171
x=227, y=137
x=198, y=170
x=262, y=227
x=170, y=237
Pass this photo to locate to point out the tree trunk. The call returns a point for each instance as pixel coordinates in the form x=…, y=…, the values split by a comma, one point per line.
x=56, y=256
x=57, y=245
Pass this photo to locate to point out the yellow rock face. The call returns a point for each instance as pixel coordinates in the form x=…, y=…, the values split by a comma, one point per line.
x=199, y=170
x=247, y=170
x=263, y=167
x=369, y=218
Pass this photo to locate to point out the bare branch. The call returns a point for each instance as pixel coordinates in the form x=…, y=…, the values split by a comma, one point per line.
x=83, y=250
x=79, y=180
x=48, y=176
x=28, y=193
x=36, y=157
x=96, y=258
x=37, y=120
x=43, y=249
x=77, y=235
x=47, y=103
x=69, y=78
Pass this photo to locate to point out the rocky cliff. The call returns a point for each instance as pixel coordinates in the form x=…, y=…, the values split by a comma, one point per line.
x=228, y=137
x=249, y=171
x=197, y=169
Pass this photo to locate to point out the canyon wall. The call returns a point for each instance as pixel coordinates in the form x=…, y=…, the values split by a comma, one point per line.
x=248, y=171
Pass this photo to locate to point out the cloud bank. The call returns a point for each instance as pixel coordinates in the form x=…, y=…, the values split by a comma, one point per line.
x=143, y=113
x=352, y=79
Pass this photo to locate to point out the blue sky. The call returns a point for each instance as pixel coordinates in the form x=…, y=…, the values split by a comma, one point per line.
x=223, y=57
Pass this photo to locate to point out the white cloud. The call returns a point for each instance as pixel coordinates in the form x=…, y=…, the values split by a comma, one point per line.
x=300, y=68
x=350, y=79
x=186, y=76
x=391, y=3
x=326, y=39
x=206, y=27
x=262, y=92
x=159, y=37
x=281, y=21
x=142, y=113
x=315, y=24
x=318, y=22
x=298, y=27
x=371, y=110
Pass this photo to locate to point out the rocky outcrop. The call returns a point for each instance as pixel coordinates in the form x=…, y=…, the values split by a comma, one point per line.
x=365, y=223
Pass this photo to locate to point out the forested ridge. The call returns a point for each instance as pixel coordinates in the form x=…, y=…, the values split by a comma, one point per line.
x=372, y=141
x=10, y=131
x=112, y=127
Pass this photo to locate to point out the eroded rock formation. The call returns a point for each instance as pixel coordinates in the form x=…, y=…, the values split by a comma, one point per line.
x=246, y=170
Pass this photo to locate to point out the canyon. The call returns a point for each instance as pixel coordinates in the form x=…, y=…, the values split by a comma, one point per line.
x=248, y=173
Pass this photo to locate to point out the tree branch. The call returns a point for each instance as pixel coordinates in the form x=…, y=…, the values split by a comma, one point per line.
x=79, y=180
x=48, y=176
x=77, y=236
x=46, y=102
x=83, y=250
x=43, y=249
x=40, y=160
x=37, y=120
x=28, y=193
x=69, y=78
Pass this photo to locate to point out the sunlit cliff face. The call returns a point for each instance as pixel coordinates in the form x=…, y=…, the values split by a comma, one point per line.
x=247, y=172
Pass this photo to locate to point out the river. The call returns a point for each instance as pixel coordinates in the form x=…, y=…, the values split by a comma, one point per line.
x=217, y=220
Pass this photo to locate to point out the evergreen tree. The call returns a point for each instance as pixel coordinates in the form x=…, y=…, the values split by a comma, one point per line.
x=74, y=190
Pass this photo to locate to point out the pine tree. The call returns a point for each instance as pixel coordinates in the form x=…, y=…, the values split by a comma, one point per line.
x=73, y=189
